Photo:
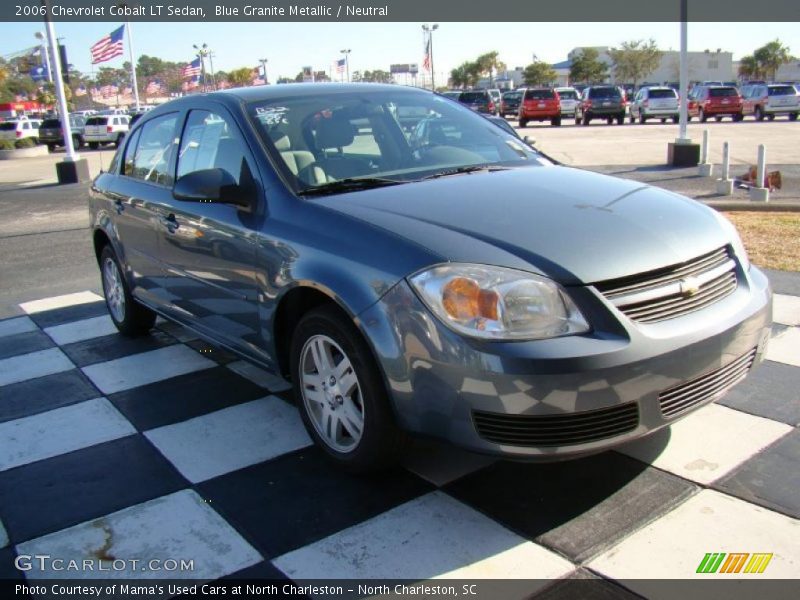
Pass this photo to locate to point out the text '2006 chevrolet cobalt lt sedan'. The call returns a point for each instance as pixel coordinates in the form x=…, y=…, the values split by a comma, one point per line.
x=413, y=268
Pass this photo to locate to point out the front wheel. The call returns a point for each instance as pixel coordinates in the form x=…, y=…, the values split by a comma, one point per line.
x=130, y=318
x=340, y=393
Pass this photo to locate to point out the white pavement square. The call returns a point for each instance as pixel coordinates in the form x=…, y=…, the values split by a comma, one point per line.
x=32, y=365
x=259, y=376
x=16, y=325
x=231, y=438
x=785, y=347
x=673, y=546
x=146, y=367
x=59, y=302
x=179, y=526
x=78, y=331
x=60, y=431
x=708, y=443
x=434, y=536
x=786, y=309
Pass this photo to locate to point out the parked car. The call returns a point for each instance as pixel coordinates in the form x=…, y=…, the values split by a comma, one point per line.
x=452, y=94
x=105, y=129
x=51, y=133
x=601, y=102
x=461, y=287
x=655, y=102
x=716, y=101
x=540, y=104
x=15, y=130
x=568, y=97
x=509, y=105
x=768, y=101
x=480, y=101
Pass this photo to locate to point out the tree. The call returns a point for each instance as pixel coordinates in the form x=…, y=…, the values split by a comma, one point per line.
x=240, y=77
x=458, y=76
x=771, y=56
x=487, y=64
x=635, y=59
x=376, y=76
x=749, y=68
x=587, y=67
x=539, y=73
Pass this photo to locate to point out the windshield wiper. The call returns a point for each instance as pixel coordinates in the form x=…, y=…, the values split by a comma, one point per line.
x=351, y=184
x=466, y=169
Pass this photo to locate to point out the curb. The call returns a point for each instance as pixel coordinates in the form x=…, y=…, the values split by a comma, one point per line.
x=745, y=206
x=24, y=153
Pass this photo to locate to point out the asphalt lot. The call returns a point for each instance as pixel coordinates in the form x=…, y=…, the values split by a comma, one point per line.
x=167, y=446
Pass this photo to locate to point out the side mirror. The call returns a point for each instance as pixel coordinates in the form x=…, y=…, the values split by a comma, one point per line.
x=210, y=186
x=529, y=140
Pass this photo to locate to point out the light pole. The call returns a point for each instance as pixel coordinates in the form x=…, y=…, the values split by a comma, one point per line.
x=264, y=62
x=429, y=32
x=45, y=54
x=202, y=52
x=346, y=53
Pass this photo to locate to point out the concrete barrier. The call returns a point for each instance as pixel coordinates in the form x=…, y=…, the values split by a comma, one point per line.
x=725, y=183
x=758, y=193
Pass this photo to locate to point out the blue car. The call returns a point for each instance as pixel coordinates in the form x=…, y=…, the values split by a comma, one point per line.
x=437, y=278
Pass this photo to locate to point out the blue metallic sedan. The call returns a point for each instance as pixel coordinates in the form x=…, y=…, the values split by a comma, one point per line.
x=414, y=269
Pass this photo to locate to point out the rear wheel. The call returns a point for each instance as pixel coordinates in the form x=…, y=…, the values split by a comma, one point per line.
x=702, y=116
x=632, y=119
x=586, y=119
x=675, y=119
x=577, y=119
x=77, y=142
x=771, y=117
x=556, y=122
x=718, y=119
x=663, y=121
x=130, y=317
x=793, y=117
x=51, y=147
x=642, y=118
x=759, y=114
x=340, y=393
x=93, y=145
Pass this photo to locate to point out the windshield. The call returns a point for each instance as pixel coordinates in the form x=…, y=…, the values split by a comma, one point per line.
x=567, y=95
x=51, y=123
x=781, y=90
x=663, y=93
x=399, y=136
x=539, y=94
x=609, y=92
x=473, y=97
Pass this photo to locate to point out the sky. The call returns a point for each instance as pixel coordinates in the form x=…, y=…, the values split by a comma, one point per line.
x=290, y=46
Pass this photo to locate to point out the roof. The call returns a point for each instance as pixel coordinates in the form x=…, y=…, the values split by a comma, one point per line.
x=265, y=92
x=564, y=64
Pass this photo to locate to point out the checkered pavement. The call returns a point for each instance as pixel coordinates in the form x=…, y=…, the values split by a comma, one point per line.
x=165, y=446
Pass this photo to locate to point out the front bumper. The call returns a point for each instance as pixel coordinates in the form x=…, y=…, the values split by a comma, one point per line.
x=440, y=381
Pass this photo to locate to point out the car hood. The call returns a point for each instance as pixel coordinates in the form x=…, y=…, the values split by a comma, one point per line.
x=575, y=226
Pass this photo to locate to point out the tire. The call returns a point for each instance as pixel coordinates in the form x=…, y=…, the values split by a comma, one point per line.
x=318, y=393
x=556, y=122
x=718, y=119
x=771, y=117
x=677, y=119
x=51, y=147
x=793, y=116
x=577, y=119
x=663, y=121
x=759, y=114
x=632, y=119
x=523, y=123
x=621, y=119
x=702, y=116
x=738, y=117
x=642, y=119
x=93, y=145
x=609, y=121
x=77, y=142
x=586, y=119
x=130, y=318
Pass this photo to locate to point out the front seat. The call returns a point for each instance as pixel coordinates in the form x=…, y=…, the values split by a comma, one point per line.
x=301, y=163
x=332, y=135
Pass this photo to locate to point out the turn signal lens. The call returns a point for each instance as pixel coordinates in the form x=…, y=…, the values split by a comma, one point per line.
x=464, y=299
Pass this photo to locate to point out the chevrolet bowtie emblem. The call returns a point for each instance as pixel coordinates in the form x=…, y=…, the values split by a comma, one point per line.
x=689, y=286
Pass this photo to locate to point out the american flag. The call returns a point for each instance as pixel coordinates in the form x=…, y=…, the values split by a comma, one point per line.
x=108, y=47
x=340, y=64
x=154, y=87
x=192, y=84
x=192, y=69
x=426, y=62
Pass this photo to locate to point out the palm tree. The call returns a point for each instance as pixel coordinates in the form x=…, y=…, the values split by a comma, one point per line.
x=240, y=77
x=771, y=56
x=749, y=67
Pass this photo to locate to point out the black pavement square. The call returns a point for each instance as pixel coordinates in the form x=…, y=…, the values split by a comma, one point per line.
x=261, y=570
x=110, y=347
x=585, y=585
x=183, y=397
x=770, y=478
x=300, y=498
x=38, y=395
x=59, y=492
x=24, y=343
x=215, y=353
x=77, y=312
x=578, y=507
x=772, y=390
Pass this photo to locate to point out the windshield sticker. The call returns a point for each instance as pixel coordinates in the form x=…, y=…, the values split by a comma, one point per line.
x=272, y=115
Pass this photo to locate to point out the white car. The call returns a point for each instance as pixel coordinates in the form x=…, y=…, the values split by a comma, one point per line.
x=657, y=102
x=763, y=100
x=20, y=129
x=569, y=100
x=105, y=129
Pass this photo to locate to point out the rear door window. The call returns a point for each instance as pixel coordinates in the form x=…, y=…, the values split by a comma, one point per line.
x=472, y=97
x=663, y=94
x=567, y=95
x=154, y=150
x=539, y=95
x=782, y=90
x=722, y=92
x=609, y=93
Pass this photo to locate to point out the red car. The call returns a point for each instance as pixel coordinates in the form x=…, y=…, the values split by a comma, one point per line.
x=540, y=104
x=716, y=101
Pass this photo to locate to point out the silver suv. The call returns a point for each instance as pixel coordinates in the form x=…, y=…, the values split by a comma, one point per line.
x=655, y=102
x=106, y=129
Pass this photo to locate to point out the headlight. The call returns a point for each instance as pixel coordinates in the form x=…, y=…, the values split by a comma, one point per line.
x=497, y=303
x=736, y=240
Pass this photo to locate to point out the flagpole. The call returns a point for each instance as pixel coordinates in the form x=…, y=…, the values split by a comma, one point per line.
x=133, y=64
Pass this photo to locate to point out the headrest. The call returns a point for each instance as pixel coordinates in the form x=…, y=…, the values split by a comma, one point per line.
x=334, y=132
x=281, y=140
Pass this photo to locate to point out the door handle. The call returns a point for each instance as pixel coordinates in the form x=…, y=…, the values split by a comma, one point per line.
x=170, y=222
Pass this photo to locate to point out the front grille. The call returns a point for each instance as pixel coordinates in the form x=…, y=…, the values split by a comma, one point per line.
x=556, y=430
x=674, y=291
x=683, y=397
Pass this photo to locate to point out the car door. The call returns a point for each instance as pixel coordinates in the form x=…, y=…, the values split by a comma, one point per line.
x=144, y=184
x=209, y=248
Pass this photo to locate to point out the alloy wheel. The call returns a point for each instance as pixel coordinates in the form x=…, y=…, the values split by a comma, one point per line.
x=114, y=290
